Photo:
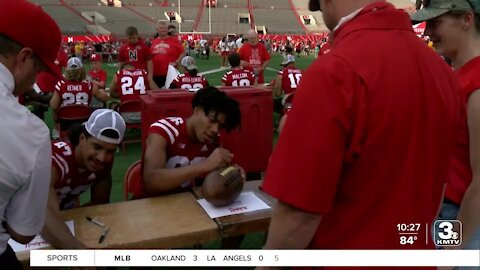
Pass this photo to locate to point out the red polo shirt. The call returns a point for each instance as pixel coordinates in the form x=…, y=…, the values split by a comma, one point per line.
x=460, y=175
x=165, y=51
x=370, y=134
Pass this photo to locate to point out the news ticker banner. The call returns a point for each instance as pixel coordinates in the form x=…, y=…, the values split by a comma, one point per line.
x=252, y=258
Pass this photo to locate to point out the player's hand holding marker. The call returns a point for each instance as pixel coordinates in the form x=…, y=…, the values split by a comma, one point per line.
x=219, y=158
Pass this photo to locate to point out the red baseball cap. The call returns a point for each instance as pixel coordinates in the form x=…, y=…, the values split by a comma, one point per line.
x=30, y=26
x=95, y=57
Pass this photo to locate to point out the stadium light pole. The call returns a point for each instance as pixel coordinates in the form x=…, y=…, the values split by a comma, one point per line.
x=179, y=14
x=209, y=16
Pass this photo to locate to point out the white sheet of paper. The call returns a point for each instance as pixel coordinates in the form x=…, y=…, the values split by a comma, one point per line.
x=172, y=74
x=38, y=241
x=246, y=202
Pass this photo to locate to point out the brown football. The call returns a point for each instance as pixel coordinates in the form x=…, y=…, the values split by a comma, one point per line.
x=223, y=186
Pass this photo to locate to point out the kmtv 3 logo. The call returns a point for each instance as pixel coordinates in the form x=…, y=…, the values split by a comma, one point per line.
x=447, y=233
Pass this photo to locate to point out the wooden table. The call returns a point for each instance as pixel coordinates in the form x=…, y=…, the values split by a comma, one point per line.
x=173, y=221
x=244, y=223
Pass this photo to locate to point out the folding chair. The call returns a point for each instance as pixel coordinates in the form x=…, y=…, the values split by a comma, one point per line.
x=130, y=107
x=72, y=114
x=132, y=177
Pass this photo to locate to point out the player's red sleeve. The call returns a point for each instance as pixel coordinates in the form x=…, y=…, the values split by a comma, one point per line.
x=167, y=129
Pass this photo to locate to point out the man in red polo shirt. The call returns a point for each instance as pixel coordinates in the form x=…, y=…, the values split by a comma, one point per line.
x=254, y=56
x=166, y=50
x=376, y=139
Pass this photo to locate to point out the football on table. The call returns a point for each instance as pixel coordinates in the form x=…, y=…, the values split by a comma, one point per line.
x=223, y=186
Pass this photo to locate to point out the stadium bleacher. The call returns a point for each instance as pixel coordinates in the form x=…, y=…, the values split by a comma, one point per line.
x=288, y=24
x=71, y=23
x=278, y=16
x=283, y=4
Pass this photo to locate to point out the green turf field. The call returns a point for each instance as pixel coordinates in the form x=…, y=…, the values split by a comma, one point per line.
x=133, y=151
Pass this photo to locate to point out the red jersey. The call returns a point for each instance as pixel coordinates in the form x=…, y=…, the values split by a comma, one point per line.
x=98, y=76
x=136, y=54
x=370, y=159
x=73, y=92
x=72, y=181
x=165, y=51
x=238, y=77
x=131, y=84
x=290, y=79
x=186, y=81
x=180, y=150
x=460, y=175
x=255, y=56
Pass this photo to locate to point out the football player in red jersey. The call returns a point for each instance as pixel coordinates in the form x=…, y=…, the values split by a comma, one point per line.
x=190, y=79
x=288, y=78
x=75, y=90
x=137, y=53
x=128, y=84
x=180, y=150
x=237, y=76
x=81, y=163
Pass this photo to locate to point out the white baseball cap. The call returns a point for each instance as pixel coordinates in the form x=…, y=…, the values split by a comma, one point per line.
x=288, y=59
x=188, y=62
x=102, y=120
x=74, y=63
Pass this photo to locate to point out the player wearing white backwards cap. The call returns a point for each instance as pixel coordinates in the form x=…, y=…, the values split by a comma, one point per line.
x=85, y=161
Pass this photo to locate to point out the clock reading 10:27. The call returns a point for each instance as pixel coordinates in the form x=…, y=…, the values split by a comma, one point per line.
x=408, y=227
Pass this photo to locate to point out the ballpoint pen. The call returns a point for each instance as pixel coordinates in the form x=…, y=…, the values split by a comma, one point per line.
x=104, y=234
x=96, y=222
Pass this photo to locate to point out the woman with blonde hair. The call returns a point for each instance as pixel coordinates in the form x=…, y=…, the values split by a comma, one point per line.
x=454, y=28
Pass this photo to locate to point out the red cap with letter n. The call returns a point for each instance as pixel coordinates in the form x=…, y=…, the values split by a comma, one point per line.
x=30, y=26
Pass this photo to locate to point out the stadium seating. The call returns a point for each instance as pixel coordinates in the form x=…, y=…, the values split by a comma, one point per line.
x=118, y=19
x=282, y=4
x=71, y=23
x=143, y=14
x=225, y=20
x=278, y=21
